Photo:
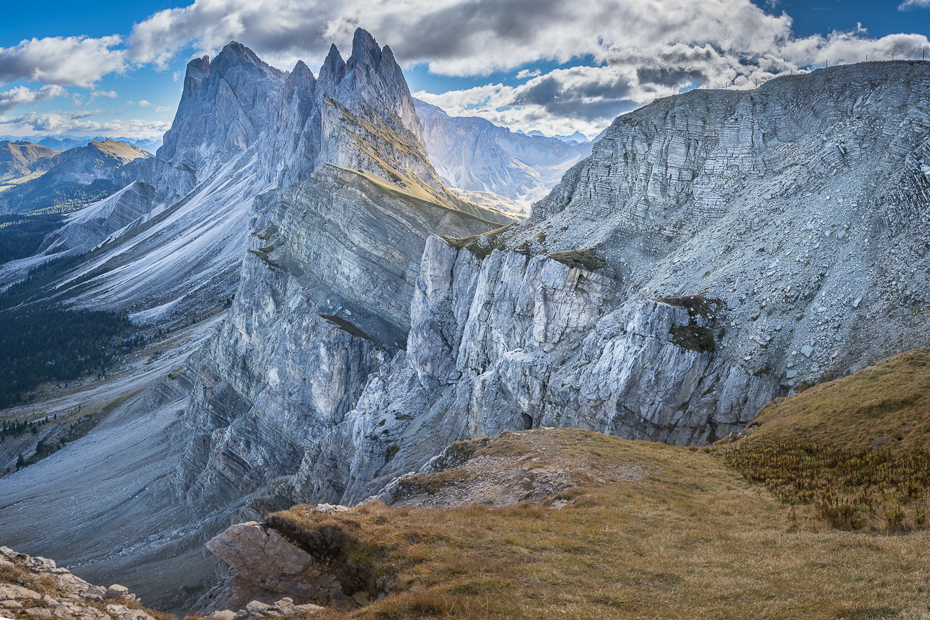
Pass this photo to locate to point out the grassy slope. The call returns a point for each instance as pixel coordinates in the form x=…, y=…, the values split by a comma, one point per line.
x=24, y=160
x=689, y=538
x=886, y=405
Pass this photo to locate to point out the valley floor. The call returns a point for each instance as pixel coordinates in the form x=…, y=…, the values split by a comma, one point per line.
x=93, y=505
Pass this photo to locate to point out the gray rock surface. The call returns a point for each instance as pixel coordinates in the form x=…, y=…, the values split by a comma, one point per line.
x=319, y=308
x=35, y=587
x=802, y=205
x=267, y=570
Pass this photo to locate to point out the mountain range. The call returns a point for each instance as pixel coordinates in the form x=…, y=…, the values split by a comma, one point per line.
x=710, y=252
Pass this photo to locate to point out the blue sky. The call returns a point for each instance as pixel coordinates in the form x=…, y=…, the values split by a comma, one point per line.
x=114, y=68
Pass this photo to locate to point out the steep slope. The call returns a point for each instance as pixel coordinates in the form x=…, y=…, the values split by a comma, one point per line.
x=474, y=155
x=716, y=249
x=322, y=273
x=884, y=406
x=23, y=159
x=243, y=128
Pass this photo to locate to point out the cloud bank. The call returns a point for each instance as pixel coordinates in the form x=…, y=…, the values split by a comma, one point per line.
x=634, y=50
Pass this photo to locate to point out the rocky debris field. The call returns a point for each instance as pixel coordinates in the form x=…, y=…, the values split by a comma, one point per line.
x=34, y=588
x=474, y=472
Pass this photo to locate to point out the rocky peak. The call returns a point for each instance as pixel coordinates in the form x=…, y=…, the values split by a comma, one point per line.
x=365, y=52
x=237, y=55
x=333, y=69
x=300, y=78
x=197, y=70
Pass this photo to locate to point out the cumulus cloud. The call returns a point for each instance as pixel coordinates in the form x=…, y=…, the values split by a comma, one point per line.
x=640, y=49
x=637, y=49
x=22, y=96
x=79, y=123
x=526, y=73
x=914, y=4
x=66, y=61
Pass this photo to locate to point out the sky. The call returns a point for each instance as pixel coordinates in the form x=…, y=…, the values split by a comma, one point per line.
x=115, y=68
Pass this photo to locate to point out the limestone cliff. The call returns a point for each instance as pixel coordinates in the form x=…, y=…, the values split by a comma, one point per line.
x=716, y=249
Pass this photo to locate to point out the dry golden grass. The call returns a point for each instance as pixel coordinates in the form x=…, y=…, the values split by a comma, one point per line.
x=17, y=575
x=689, y=538
x=886, y=405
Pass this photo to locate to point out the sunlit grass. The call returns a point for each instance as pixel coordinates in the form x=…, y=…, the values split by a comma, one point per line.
x=690, y=538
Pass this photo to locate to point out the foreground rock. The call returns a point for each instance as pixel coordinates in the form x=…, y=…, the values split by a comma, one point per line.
x=269, y=577
x=36, y=588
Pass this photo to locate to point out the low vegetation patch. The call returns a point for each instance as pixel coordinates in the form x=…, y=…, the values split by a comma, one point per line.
x=579, y=259
x=11, y=573
x=689, y=538
x=698, y=334
x=482, y=245
x=848, y=488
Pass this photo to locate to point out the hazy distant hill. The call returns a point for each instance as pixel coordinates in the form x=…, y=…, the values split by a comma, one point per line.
x=79, y=176
x=475, y=155
x=22, y=159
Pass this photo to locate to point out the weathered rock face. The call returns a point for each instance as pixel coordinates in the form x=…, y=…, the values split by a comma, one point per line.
x=767, y=203
x=802, y=205
x=512, y=342
x=319, y=308
x=473, y=154
x=267, y=568
x=244, y=128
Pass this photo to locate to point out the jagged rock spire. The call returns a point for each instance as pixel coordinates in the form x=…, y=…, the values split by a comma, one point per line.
x=333, y=69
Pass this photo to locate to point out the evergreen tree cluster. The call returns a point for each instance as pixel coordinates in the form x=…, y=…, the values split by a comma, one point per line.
x=13, y=428
x=50, y=344
x=21, y=236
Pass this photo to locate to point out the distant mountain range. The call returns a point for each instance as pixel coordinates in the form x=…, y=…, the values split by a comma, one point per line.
x=65, y=142
x=575, y=138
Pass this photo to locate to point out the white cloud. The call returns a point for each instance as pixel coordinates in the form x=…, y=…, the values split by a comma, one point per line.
x=914, y=4
x=78, y=123
x=639, y=49
x=144, y=104
x=66, y=61
x=109, y=94
x=22, y=95
x=164, y=109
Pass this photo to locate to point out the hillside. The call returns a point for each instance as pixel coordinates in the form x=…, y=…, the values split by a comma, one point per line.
x=79, y=176
x=570, y=523
x=19, y=160
x=884, y=406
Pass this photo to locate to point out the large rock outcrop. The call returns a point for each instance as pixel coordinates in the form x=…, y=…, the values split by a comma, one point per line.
x=714, y=251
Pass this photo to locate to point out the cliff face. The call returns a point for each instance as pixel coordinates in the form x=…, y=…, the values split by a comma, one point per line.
x=323, y=298
x=739, y=243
